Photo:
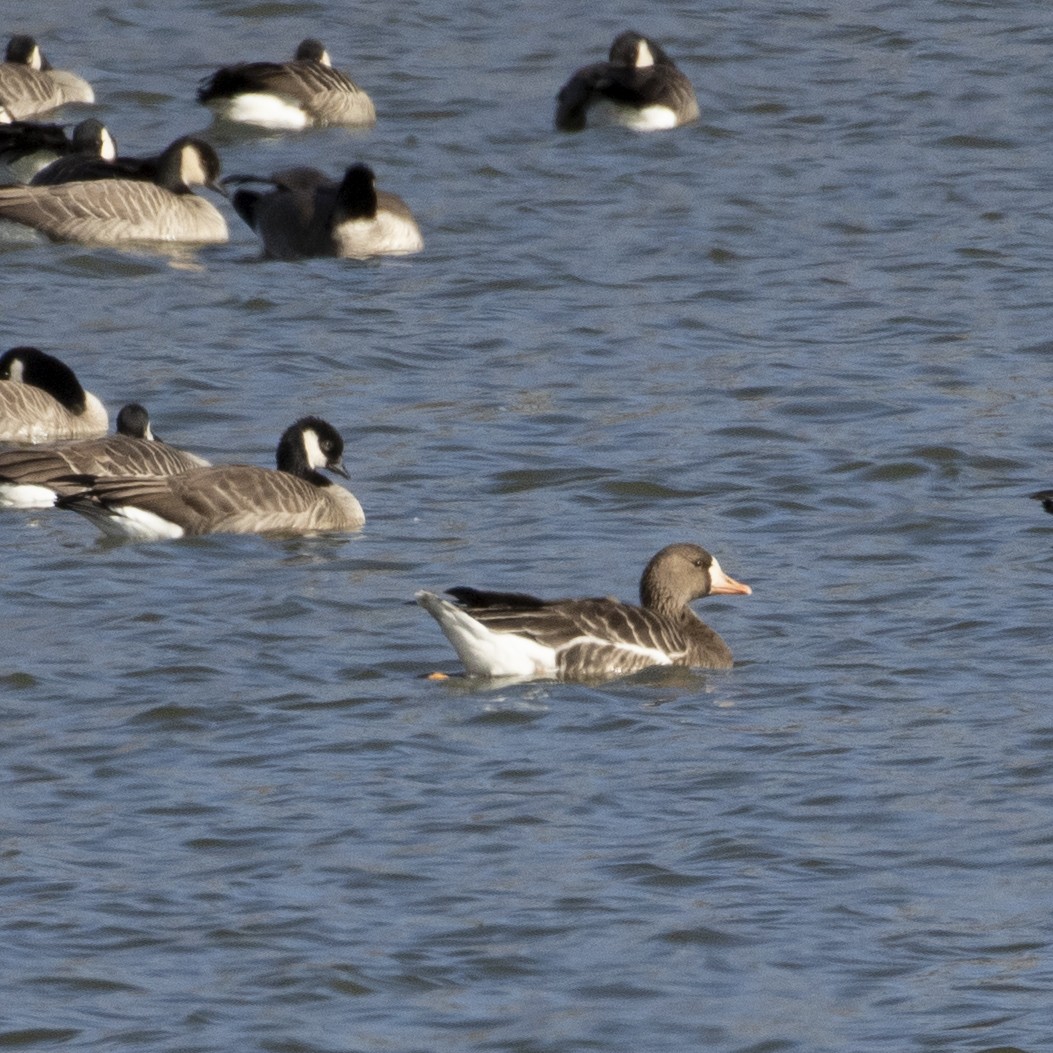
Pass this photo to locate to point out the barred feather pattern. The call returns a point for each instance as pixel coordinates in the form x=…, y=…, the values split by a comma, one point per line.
x=68, y=468
x=26, y=92
x=516, y=634
x=30, y=414
x=113, y=211
x=226, y=499
x=326, y=95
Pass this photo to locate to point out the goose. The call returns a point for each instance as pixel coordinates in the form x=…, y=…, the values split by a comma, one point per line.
x=513, y=634
x=1046, y=497
x=34, y=476
x=128, y=208
x=41, y=400
x=308, y=214
x=233, y=498
x=173, y=167
x=288, y=95
x=29, y=86
x=639, y=86
x=28, y=147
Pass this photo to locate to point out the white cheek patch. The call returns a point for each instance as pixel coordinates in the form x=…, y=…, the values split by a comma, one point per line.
x=259, y=108
x=108, y=148
x=315, y=457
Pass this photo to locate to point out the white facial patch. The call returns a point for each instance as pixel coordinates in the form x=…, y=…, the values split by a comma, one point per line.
x=108, y=148
x=315, y=457
x=644, y=58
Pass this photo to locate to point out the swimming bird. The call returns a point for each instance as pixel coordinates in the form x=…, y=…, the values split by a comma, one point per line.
x=232, y=498
x=1046, y=497
x=515, y=634
x=41, y=400
x=34, y=476
x=639, y=86
x=28, y=147
x=130, y=207
x=305, y=213
x=30, y=86
x=288, y=95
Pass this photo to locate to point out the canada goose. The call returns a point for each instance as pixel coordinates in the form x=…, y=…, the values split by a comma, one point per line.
x=308, y=214
x=1046, y=497
x=110, y=211
x=639, y=86
x=173, y=167
x=33, y=476
x=41, y=400
x=288, y=95
x=29, y=86
x=28, y=147
x=233, y=498
x=514, y=634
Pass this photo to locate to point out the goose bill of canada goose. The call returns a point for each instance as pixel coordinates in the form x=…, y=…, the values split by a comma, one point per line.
x=34, y=476
x=639, y=87
x=29, y=86
x=501, y=634
x=1046, y=497
x=28, y=147
x=155, y=206
x=308, y=214
x=302, y=93
x=41, y=400
x=234, y=498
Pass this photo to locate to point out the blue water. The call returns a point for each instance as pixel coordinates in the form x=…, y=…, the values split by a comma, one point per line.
x=811, y=332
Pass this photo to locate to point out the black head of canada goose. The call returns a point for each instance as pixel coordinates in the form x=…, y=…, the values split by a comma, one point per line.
x=305, y=213
x=288, y=95
x=517, y=635
x=34, y=476
x=639, y=86
x=30, y=86
x=127, y=200
x=41, y=400
x=232, y=499
x=28, y=147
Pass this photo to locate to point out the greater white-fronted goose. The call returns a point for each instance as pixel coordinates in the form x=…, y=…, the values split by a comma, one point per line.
x=28, y=147
x=233, y=498
x=141, y=207
x=41, y=400
x=34, y=476
x=513, y=634
x=305, y=213
x=29, y=86
x=288, y=95
x=639, y=87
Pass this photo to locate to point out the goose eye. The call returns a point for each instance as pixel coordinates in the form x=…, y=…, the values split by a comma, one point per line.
x=700, y=563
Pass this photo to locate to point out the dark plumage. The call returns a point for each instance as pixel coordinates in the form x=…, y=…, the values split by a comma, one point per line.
x=27, y=147
x=305, y=213
x=1046, y=497
x=639, y=86
x=515, y=634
